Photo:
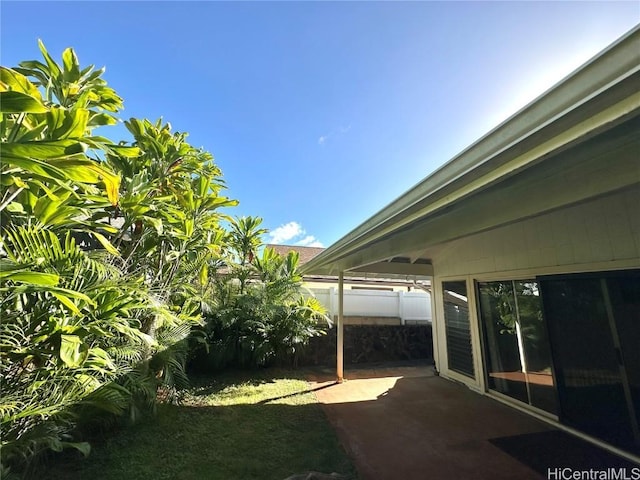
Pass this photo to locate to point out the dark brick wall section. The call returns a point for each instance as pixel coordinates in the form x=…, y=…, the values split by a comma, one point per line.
x=370, y=344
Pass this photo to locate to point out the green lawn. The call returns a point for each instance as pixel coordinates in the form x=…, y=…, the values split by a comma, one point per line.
x=258, y=425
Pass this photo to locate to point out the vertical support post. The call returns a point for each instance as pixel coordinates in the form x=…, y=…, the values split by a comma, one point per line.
x=401, y=306
x=340, y=330
x=435, y=340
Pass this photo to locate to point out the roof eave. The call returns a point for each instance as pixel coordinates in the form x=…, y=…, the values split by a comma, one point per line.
x=597, y=77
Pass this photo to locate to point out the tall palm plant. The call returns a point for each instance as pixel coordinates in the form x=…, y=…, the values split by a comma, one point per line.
x=245, y=237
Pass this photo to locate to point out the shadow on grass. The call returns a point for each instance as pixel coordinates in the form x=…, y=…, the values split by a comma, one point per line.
x=233, y=442
x=266, y=439
x=290, y=395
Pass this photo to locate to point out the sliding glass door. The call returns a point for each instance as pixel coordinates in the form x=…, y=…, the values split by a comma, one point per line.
x=594, y=326
x=568, y=345
x=516, y=344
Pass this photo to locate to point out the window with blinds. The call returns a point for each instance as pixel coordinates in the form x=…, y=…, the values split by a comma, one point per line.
x=457, y=328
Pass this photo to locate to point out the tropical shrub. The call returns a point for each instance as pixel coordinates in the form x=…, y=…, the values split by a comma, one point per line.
x=114, y=261
x=58, y=302
x=260, y=312
x=168, y=232
x=104, y=250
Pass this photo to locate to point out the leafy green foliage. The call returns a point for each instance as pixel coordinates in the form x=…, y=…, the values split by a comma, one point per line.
x=109, y=264
x=259, y=313
x=59, y=341
x=102, y=253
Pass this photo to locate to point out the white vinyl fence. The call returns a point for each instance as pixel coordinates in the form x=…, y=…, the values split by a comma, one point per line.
x=413, y=307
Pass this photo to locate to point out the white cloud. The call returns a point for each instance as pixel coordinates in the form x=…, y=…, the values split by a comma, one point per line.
x=286, y=232
x=342, y=130
x=309, y=241
x=292, y=233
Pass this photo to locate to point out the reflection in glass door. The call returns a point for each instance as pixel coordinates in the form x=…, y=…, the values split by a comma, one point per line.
x=594, y=326
x=517, y=350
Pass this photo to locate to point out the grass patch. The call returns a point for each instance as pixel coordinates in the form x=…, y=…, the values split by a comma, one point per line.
x=257, y=425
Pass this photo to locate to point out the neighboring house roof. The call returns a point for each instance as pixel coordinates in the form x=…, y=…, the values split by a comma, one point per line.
x=306, y=253
x=553, y=145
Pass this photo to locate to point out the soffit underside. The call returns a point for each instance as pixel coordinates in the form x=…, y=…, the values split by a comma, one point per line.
x=600, y=165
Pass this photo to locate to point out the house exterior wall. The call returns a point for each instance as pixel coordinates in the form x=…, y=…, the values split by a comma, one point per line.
x=602, y=234
x=602, y=230
x=599, y=235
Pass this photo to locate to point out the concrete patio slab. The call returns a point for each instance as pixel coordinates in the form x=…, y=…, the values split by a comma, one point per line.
x=406, y=423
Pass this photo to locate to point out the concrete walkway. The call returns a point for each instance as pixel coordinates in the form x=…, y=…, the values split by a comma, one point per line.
x=405, y=423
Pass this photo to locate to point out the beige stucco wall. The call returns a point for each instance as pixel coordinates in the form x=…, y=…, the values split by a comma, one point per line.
x=599, y=231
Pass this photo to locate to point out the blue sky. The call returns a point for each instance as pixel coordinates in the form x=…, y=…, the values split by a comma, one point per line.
x=321, y=113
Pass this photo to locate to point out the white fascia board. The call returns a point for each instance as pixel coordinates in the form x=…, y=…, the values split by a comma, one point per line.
x=422, y=270
x=596, y=78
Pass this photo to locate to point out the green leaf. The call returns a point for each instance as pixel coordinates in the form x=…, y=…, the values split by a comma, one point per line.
x=157, y=224
x=18, y=182
x=102, y=119
x=50, y=194
x=83, y=447
x=188, y=227
x=108, y=246
x=86, y=71
x=15, y=207
x=17, y=82
x=33, y=278
x=204, y=274
x=34, y=166
x=71, y=65
x=67, y=123
x=41, y=150
x=34, y=133
x=64, y=215
x=212, y=203
x=66, y=301
x=54, y=69
x=106, y=145
x=28, y=67
x=73, y=352
x=16, y=102
x=55, y=444
x=45, y=207
x=88, y=171
x=73, y=294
